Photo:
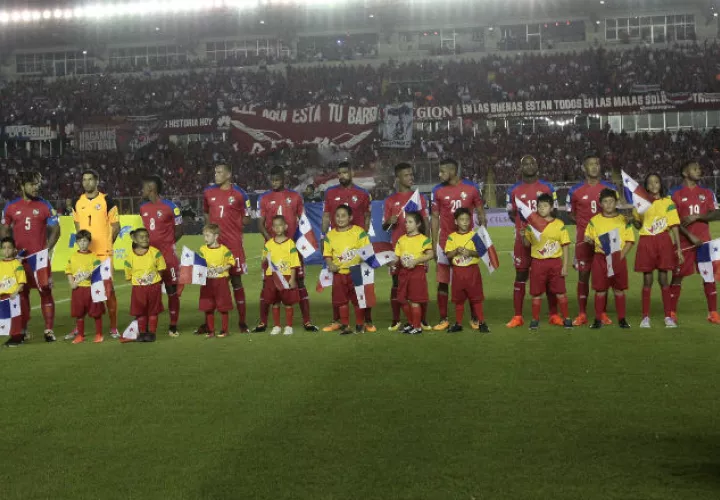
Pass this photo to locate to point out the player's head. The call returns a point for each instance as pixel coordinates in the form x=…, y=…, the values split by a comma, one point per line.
x=8, y=247
x=277, y=178
x=343, y=214
x=140, y=238
x=152, y=185
x=448, y=170
x=463, y=219
x=345, y=174
x=223, y=174
x=414, y=223
x=211, y=233
x=83, y=238
x=591, y=165
x=90, y=180
x=654, y=185
x=279, y=225
x=691, y=170
x=608, y=201
x=544, y=204
x=29, y=183
x=404, y=175
x=528, y=166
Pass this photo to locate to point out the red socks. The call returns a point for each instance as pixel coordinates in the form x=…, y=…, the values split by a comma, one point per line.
x=225, y=321
x=416, y=316
x=395, y=305
x=442, y=299
x=552, y=304
x=519, y=297
x=80, y=325
x=304, y=305
x=289, y=313
x=143, y=324
x=209, y=321
x=152, y=324
x=47, y=305
x=621, y=305
x=112, y=306
x=360, y=316
x=174, y=308
x=239, y=294
x=675, y=296
x=563, y=303
x=336, y=313
x=344, y=313
x=536, y=306
x=646, y=292
x=583, y=289
x=264, y=311
x=276, y=315
x=459, y=313
x=711, y=296
x=477, y=308
x=98, y=326
x=667, y=301
x=408, y=312
x=600, y=302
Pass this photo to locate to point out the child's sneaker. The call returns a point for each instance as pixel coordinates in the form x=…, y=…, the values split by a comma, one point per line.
x=50, y=336
x=114, y=333
x=360, y=329
x=670, y=323
x=98, y=338
x=261, y=328
x=483, y=328
x=345, y=330
x=416, y=331
x=223, y=334
x=645, y=323
x=288, y=330
x=407, y=328
x=457, y=327
x=208, y=335
x=426, y=326
x=534, y=325
x=556, y=320
x=79, y=339
x=201, y=330
x=515, y=322
x=606, y=319
x=150, y=337
x=13, y=342
x=568, y=324
x=276, y=331
x=71, y=335
x=395, y=326
x=596, y=325
x=622, y=323
x=309, y=327
x=173, y=332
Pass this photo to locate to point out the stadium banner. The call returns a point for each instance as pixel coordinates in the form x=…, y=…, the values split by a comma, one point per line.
x=29, y=132
x=97, y=139
x=652, y=101
x=397, y=125
x=190, y=125
x=66, y=245
x=259, y=130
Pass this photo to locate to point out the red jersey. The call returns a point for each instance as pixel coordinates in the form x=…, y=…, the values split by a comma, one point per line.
x=583, y=200
x=393, y=205
x=353, y=196
x=527, y=193
x=446, y=199
x=287, y=203
x=227, y=208
x=29, y=220
x=160, y=220
x=694, y=201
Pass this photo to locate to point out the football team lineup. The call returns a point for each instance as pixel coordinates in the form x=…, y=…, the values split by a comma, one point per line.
x=673, y=241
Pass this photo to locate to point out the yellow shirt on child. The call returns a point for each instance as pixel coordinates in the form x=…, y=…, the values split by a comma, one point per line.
x=217, y=260
x=462, y=240
x=12, y=275
x=80, y=267
x=343, y=246
x=144, y=270
x=552, y=239
x=284, y=255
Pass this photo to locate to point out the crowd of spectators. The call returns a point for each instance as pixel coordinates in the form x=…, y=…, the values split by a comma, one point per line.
x=196, y=88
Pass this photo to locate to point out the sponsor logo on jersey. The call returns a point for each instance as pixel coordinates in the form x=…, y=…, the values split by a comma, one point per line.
x=684, y=199
x=585, y=197
x=549, y=248
x=272, y=202
x=18, y=212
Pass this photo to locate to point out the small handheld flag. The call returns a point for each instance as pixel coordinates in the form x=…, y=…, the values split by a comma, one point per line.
x=363, y=277
x=97, y=285
x=636, y=194
x=377, y=254
x=611, y=246
x=708, y=260
x=325, y=279
x=305, y=240
x=536, y=223
x=131, y=332
x=10, y=316
x=39, y=264
x=193, y=268
x=278, y=279
x=485, y=249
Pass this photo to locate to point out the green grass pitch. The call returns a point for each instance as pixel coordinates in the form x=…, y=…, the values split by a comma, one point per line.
x=606, y=414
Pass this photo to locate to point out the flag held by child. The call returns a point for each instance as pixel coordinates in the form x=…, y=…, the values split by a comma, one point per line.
x=377, y=254
x=636, y=194
x=708, y=260
x=612, y=247
x=193, y=268
x=97, y=285
x=536, y=223
x=278, y=279
x=10, y=316
x=131, y=332
x=305, y=240
x=363, y=277
x=485, y=249
x=40, y=265
x=325, y=279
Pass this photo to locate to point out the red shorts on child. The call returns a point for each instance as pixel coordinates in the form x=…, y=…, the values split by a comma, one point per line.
x=215, y=296
x=466, y=284
x=146, y=300
x=271, y=294
x=343, y=290
x=600, y=280
x=546, y=277
x=655, y=252
x=81, y=304
x=412, y=285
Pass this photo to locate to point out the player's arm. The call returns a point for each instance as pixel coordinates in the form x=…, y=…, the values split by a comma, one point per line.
x=179, y=232
x=678, y=249
x=451, y=249
x=368, y=219
x=113, y=217
x=427, y=256
x=708, y=217
x=691, y=237
x=325, y=222
x=389, y=219
x=263, y=230
x=511, y=209
x=480, y=209
x=569, y=207
x=526, y=238
x=626, y=249
x=565, y=259
x=53, y=236
x=435, y=228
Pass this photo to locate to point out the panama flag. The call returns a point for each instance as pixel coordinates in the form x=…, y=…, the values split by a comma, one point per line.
x=708, y=260
x=611, y=246
x=325, y=279
x=10, y=316
x=363, y=277
x=485, y=249
x=305, y=240
x=97, y=285
x=636, y=194
x=280, y=282
x=413, y=204
x=377, y=254
x=193, y=268
x=40, y=264
x=536, y=223
x=131, y=332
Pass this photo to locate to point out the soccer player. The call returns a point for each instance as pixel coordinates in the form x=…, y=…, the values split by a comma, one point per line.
x=79, y=269
x=550, y=258
x=161, y=217
x=215, y=294
x=358, y=199
x=12, y=282
x=394, y=221
x=288, y=204
x=35, y=227
x=582, y=205
x=450, y=195
x=282, y=253
x=606, y=221
x=467, y=280
x=527, y=191
x=228, y=206
x=696, y=206
x=659, y=233
x=143, y=269
x=97, y=213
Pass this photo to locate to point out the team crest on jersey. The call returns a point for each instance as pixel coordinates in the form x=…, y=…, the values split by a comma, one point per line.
x=36, y=211
x=231, y=200
x=159, y=213
x=354, y=199
x=98, y=207
x=702, y=197
x=288, y=200
x=463, y=195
